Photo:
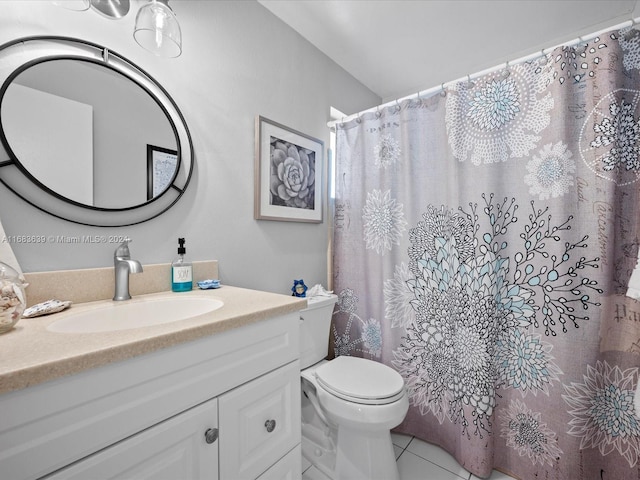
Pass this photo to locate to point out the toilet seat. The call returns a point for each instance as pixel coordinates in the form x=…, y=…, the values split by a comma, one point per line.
x=359, y=380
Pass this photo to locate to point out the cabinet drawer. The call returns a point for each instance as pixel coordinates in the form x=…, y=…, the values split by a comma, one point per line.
x=174, y=449
x=259, y=423
x=288, y=468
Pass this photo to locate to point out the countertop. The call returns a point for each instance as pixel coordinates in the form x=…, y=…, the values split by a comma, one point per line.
x=30, y=354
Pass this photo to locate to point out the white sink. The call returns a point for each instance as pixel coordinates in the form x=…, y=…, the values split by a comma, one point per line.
x=135, y=313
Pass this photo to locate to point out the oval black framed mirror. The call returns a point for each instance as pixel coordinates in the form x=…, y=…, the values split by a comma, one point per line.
x=88, y=136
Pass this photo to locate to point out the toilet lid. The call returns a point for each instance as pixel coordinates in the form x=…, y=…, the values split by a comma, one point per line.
x=360, y=380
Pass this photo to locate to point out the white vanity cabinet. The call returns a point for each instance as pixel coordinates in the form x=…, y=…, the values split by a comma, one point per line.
x=222, y=407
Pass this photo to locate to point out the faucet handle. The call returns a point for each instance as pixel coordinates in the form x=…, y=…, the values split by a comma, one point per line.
x=123, y=249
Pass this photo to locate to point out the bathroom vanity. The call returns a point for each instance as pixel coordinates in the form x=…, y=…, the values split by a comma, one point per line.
x=215, y=396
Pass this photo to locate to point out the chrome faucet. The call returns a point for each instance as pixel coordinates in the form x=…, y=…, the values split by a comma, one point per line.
x=123, y=267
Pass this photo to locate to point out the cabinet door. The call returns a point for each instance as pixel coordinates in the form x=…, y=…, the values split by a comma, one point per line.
x=288, y=468
x=259, y=423
x=183, y=447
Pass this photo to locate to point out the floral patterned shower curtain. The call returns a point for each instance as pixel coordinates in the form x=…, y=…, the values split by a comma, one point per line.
x=484, y=240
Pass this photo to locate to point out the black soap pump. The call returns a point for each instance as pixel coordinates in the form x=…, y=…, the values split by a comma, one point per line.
x=181, y=271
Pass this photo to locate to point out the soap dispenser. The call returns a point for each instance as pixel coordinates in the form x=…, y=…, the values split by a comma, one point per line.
x=181, y=271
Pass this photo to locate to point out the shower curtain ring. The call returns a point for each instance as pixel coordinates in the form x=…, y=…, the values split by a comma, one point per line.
x=543, y=57
x=378, y=112
x=506, y=72
x=443, y=92
x=582, y=43
x=398, y=108
x=632, y=30
x=469, y=81
x=358, y=119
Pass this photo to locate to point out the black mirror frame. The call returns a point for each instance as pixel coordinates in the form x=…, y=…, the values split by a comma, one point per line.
x=29, y=51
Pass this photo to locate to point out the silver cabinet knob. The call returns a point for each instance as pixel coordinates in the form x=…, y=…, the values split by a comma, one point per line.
x=270, y=425
x=211, y=435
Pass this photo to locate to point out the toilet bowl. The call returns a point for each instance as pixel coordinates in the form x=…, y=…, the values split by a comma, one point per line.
x=349, y=405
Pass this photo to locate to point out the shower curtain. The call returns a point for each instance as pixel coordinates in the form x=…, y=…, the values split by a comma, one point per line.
x=484, y=238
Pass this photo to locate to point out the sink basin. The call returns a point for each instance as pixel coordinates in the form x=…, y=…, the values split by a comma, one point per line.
x=136, y=313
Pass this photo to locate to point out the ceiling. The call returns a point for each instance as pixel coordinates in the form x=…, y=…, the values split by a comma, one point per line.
x=400, y=47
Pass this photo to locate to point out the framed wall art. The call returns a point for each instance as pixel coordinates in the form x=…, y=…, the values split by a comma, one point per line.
x=289, y=167
x=161, y=167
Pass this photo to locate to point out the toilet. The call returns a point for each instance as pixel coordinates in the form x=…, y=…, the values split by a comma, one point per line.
x=349, y=404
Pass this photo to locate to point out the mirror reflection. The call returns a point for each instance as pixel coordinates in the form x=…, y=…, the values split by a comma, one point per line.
x=89, y=134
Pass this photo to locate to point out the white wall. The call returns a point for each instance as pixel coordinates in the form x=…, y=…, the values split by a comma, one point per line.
x=53, y=138
x=238, y=61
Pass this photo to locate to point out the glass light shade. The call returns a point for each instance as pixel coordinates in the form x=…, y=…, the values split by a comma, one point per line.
x=75, y=5
x=157, y=29
x=113, y=9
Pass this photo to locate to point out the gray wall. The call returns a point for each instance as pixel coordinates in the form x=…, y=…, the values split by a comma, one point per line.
x=238, y=61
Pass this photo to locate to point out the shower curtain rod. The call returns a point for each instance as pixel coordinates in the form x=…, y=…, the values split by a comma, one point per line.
x=526, y=58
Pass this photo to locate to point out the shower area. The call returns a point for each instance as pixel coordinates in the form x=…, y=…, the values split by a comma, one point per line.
x=485, y=237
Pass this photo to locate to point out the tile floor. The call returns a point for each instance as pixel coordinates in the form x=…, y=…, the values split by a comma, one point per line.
x=417, y=460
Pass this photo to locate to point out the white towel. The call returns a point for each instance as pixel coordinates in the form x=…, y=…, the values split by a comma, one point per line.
x=6, y=252
x=318, y=291
x=633, y=289
x=636, y=399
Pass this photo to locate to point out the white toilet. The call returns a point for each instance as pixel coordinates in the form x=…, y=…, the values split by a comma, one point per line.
x=349, y=404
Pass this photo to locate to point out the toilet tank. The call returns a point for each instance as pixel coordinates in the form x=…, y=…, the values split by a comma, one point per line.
x=315, y=324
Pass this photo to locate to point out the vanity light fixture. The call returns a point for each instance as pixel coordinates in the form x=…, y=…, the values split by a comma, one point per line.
x=111, y=8
x=75, y=5
x=108, y=8
x=157, y=29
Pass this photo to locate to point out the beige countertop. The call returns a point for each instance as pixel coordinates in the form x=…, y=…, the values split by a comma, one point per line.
x=30, y=354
